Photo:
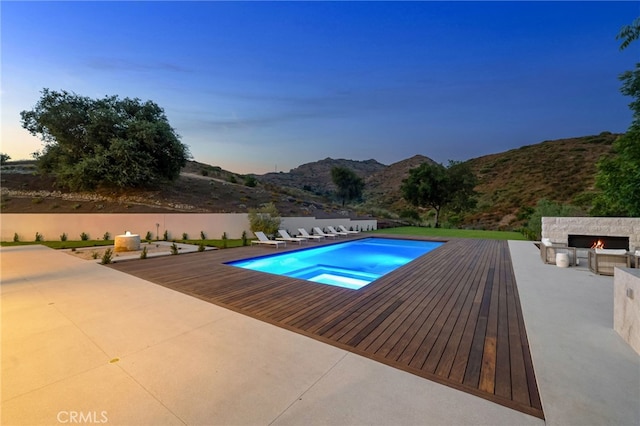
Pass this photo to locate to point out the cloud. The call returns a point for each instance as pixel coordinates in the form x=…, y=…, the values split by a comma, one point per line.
x=121, y=64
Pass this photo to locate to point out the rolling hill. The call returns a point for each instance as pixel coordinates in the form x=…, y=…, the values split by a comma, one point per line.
x=509, y=186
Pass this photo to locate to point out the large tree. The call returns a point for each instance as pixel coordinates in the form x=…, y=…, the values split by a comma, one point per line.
x=349, y=184
x=619, y=175
x=438, y=187
x=108, y=142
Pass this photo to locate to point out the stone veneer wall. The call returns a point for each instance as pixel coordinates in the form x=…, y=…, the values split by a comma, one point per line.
x=626, y=305
x=558, y=229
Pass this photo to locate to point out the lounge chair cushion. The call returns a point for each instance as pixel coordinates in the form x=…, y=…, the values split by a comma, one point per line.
x=611, y=251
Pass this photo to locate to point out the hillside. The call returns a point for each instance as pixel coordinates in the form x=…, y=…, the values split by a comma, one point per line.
x=510, y=185
x=200, y=188
x=316, y=177
x=512, y=182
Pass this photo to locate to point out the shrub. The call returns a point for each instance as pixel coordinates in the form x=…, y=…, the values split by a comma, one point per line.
x=94, y=254
x=143, y=254
x=201, y=247
x=84, y=236
x=174, y=249
x=202, y=235
x=16, y=238
x=165, y=236
x=106, y=256
x=185, y=236
x=250, y=181
x=38, y=236
x=63, y=237
x=244, y=238
x=224, y=240
x=148, y=237
x=265, y=219
x=106, y=236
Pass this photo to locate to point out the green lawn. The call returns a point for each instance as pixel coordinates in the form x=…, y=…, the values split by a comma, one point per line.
x=455, y=233
x=230, y=243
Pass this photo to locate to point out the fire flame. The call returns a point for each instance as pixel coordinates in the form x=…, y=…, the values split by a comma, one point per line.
x=598, y=245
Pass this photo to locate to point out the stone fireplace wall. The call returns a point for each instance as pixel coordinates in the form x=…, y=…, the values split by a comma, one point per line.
x=557, y=229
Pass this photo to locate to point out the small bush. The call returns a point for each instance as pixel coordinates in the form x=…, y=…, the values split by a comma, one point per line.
x=16, y=238
x=106, y=236
x=38, y=236
x=201, y=247
x=244, y=238
x=224, y=240
x=94, y=254
x=165, y=236
x=84, y=236
x=185, y=236
x=174, y=249
x=63, y=236
x=148, y=237
x=143, y=254
x=202, y=235
x=106, y=256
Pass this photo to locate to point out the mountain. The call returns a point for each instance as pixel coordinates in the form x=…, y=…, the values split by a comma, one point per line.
x=316, y=177
x=509, y=186
x=383, y=187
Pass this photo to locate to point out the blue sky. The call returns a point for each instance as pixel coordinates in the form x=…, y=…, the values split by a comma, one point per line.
x=255, y=87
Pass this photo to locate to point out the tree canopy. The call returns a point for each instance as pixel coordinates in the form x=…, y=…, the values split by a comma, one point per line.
x=438, y=187
x=619, y=175
x=108, y=142
x=349, y=184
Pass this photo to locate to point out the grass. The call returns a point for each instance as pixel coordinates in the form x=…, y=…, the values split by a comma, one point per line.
x=231, y=243
x=452, y=233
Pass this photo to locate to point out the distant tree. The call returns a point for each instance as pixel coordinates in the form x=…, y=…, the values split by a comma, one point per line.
x=619, y=174
x=438, y=187
x=250, y=181
x=533, y=229
x=266, y=219
x=4, y=158
x=108, y=142
x=349, y=184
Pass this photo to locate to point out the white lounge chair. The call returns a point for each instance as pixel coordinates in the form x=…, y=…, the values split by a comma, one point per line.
x=333, y=231
x=284, y=236
x=262, y=239
x=303, y=233
x=318, y=231
x=343, y=229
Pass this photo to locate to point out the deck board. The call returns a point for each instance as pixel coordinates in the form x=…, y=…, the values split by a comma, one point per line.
x=452, y=316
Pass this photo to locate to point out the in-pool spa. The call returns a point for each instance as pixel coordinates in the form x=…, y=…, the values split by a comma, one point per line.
x=352, y=264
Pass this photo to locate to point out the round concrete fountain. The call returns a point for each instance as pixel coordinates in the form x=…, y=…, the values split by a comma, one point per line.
x=127, y=242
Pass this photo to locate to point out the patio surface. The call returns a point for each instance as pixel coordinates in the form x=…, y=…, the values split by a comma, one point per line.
x=81, y=339
x=452, y=315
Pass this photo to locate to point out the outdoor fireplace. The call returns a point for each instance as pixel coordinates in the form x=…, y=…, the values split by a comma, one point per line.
x=589, y=241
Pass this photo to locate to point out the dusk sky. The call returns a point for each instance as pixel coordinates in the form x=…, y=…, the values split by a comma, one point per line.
x=255, y=87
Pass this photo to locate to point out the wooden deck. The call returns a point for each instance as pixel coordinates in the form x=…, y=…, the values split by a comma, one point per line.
x=452, y=316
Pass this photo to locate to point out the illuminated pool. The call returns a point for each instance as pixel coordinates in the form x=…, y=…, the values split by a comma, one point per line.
x=352, y=264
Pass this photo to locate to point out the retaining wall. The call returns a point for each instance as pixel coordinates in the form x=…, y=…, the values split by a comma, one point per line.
x=51, y=225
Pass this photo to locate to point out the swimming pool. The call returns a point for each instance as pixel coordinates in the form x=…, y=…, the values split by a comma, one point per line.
x=352, y=264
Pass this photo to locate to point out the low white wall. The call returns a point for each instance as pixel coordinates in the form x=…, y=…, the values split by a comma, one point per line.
x=51, y=225
x=557, y=229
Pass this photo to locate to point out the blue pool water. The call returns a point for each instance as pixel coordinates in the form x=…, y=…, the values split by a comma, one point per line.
x=351, y=264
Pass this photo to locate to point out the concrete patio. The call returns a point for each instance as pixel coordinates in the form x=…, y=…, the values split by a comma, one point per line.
x=84, y=342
